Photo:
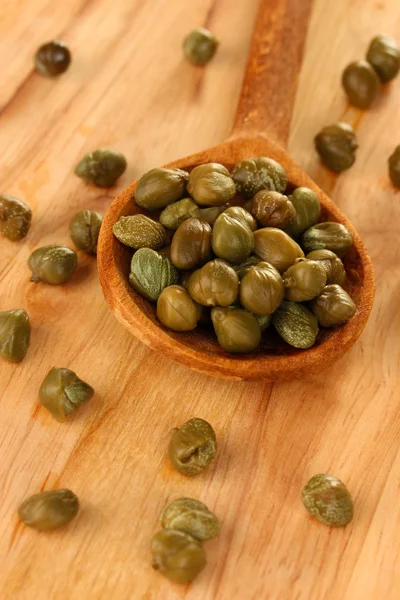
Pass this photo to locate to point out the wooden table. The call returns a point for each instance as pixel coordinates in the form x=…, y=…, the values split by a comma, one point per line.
x=129, y=88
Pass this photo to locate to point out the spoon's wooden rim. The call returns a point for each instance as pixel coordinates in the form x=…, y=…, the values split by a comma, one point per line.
x=240, y=367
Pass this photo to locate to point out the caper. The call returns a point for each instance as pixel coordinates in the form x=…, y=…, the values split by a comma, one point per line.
x=332, y=265
x=214, y=284
x=200, y=46
x=138, y=231
x=273, y=209
x=101, y=167
x=333, y=306
x=361, y=83
x=192, y=517
x=176, y=310
x=191, y=244
x=159, y=187
x=237, y=330
x=394, y=167
x=49, y=510
x=52, y=58
x=249, y=262
x=261, y=289
x=304, y=280
x=336, y=146
x=62, y=392
x=276, y=247
x=327, y=499
x=52, y=264
x=15, y=218
x=384, y=55
x=308, y=210
x=295, y=324
x=211, y=185
x=177, y=212
x=264, y=321
x=242, y=214
x=330, y=236
x=84, y=229
x=192, y=447
x=177, y=555
x=15, y=334
x=232, y=238
x=151, y=273
x=259, y=173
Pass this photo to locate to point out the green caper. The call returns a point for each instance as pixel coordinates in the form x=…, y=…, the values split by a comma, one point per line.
x=84, y=229
x=295, y=324
x=192, y=517
x=242, y=214
x=215, y=284
x=304, y=280
x=237, y=330
x=249, y=262
x=232, y=238
x=52, y=264
x=52, y=58
x=384, y=55
x=138, y=231
x=308, y=210
x=336, y=146
x=276, y=247
x=15, y=334
x=211, y=185
x=151, y=273
x=259, y=173
x=261, y=289
x=200, y=46
x=330, y=236
x=394, y=167
x=361, y=83
x=264, y=321
x=211, y=213
x=101, y=167
x=332, y=265
x=327, y=499
x=62, y=392
x=273, y=209
x=49, y=510
x=159, y=187
x=176, y=309
x=191, y=244
x=192, y=447
x=333, y=306
x=177, y=555
x=15, y=218
x=174, y=214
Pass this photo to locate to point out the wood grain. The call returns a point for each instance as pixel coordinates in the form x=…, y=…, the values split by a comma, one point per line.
x=122, y=91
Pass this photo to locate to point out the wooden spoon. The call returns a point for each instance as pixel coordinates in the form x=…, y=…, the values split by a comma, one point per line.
x=261, y=129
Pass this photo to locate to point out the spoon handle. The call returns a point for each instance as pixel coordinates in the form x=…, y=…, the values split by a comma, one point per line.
x=270, y=81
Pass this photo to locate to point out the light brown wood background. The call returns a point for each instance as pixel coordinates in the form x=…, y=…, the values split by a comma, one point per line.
x=129, y=88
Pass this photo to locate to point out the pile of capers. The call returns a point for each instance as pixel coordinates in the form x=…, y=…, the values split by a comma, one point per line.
x=205, y=259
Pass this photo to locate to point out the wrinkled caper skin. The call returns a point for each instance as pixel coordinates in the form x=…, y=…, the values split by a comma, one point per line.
x=333, y=306
x=177, y=555
x=15, y=334
x=277, y=248
x=191, y=244
x=330, y=236
x=174, y=214
x=49, y=510
x=102, y=167
x=237, y=330
x=259, y=173
x=332, y=265
x=52, y=264
x=394, y=167
x=62, y=392
x=138, y=231
x=249, y=262
x=211, y=185
x=261, y=289
x=52, y=58
x=272, y=209
x=308, y=210
x=361, y=84
x=159, y=187
x=232, y=238
x=200, y=46
x=384, y=55
x=84, y=229
x=192, y=447
x=215, y=284
x=151, y=273
x=295, y=324
x=304, y=280
x=336, y=146
x=176, y=309
x=15, y=218
x=192, y=517
x=327, y=499
x=242, y=214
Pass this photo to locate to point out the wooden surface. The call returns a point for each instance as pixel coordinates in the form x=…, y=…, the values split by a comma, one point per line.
x=129, y=88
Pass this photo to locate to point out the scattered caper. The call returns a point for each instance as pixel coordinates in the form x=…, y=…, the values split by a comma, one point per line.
x=15, y=218
x=177, y=555
x=52, y=264
x=102, y=167
x=192, y=517
x=49, y=510
x=200, y=46
x=53, y=58
x=62, y=392
x=84, y=229
x=336, y=146
x=361, y=83
x=394, y=167
x=15, y=334
x=384, y=55
x=327, y=499
x=192, y=447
